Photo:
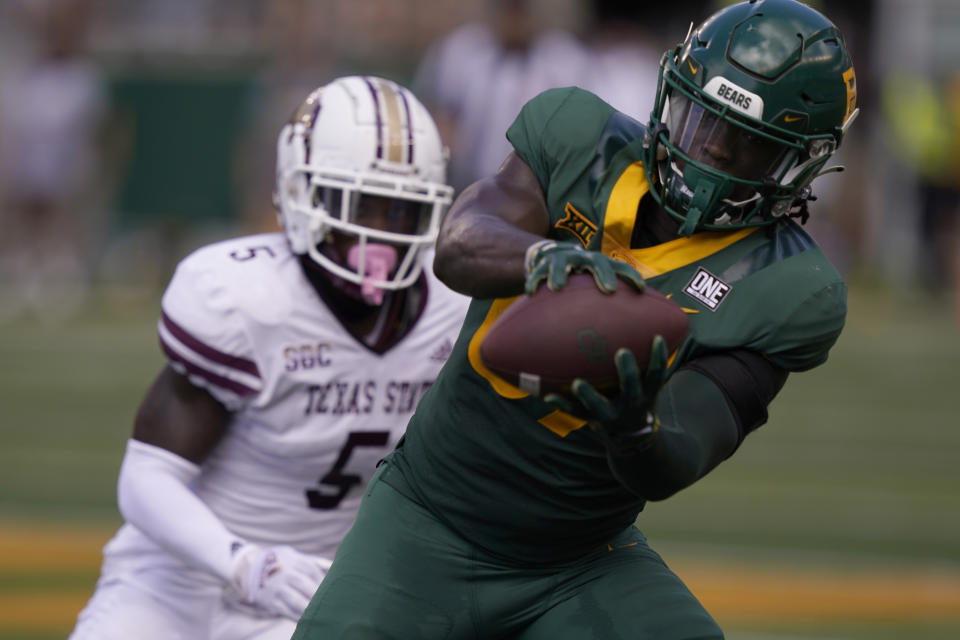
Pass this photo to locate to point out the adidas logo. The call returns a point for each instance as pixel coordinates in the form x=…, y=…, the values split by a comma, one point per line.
x=707, y=288
x=442, y=352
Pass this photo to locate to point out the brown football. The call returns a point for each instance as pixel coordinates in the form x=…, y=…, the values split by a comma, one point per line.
x=543, y=341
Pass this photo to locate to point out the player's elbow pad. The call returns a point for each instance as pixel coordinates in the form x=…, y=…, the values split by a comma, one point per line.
x=706, y=409
x=749, y=383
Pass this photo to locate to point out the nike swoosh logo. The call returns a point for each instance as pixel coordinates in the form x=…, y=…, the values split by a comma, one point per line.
x=693, y=69
x=792, y=119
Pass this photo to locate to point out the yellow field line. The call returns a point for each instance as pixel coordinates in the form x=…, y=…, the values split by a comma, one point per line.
x=44, y=548
x=752, y=593
x=31, y=549
x=35, y=612
x=733, y=593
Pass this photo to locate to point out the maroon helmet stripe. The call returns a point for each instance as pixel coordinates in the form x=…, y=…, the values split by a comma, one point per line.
x=376, y=111
x=406, y=109
x=306, y=137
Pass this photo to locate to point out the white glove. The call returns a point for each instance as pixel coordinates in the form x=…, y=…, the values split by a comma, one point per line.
x=278, y=580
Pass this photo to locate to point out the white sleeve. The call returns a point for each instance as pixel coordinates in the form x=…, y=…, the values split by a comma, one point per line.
x=154, y=495
x=203, y=330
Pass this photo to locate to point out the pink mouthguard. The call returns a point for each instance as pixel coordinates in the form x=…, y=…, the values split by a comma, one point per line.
x=379, y=261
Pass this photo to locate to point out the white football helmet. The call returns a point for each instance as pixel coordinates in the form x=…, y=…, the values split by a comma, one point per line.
x=356, y=143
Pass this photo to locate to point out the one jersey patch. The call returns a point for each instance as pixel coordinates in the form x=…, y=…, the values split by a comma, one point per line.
x=707, y=289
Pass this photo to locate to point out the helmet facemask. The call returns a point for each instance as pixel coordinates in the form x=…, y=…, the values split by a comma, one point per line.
x=355, y=222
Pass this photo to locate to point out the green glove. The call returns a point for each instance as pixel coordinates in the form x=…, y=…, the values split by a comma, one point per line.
x=553, y=261
x=627, y=423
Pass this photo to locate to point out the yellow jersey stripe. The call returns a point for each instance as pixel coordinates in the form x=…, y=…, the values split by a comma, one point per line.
x=501, y=386
x=621, y=216
x=557, y=421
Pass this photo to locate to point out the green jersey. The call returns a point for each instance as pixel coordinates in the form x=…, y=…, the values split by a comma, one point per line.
x=524, y=481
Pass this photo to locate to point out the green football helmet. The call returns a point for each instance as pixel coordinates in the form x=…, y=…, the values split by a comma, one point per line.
x=749, y=108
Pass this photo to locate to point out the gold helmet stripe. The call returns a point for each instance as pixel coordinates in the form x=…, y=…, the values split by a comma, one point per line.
x=394, y=131
x=394, y=127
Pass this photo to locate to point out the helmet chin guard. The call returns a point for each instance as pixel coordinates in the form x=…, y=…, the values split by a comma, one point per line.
x=361, y=159
x=707, y=193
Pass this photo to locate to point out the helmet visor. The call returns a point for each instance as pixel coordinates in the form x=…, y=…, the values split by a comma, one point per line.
x=724, y=142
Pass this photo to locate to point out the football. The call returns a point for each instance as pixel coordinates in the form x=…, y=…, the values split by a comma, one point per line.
x=543, y=341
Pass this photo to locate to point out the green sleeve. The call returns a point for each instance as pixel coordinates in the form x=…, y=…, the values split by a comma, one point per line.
x=557, y=132
x=698, y=431
x=805, y=339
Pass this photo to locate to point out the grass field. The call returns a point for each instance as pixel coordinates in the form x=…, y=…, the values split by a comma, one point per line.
x=840, y=519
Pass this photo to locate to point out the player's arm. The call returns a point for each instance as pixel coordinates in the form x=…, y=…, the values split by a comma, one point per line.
x=484, y=237
x=177, y=426
x=180, y=417
x=492, y=242
x=705, y=410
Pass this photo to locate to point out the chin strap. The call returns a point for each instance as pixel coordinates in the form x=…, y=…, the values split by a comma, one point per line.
x=702, y=199
x=708, y=191
x=690, y=222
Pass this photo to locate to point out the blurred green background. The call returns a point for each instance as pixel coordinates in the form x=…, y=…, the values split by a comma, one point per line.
x=839, y=519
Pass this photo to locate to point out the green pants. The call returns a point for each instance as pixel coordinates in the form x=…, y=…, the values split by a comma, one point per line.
x=401, y=573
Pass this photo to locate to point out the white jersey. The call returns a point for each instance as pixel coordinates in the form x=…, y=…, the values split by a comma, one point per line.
x=313, y=409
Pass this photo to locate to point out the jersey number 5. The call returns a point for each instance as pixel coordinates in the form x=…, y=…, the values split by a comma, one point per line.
x=342, y=482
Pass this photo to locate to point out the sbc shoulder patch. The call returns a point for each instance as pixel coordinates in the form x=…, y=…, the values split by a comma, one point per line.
x=707, y=288
x=577, y=224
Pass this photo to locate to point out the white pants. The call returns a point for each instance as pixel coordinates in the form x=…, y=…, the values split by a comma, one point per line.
x=165, y=604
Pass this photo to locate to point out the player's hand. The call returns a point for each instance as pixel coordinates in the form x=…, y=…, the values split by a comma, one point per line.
x=554, y=261
x=277, y=580
x=628, y=422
